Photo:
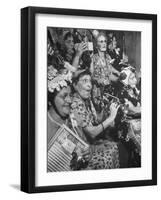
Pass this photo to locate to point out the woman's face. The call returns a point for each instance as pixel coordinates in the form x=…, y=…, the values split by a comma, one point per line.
x=63, y=101
x=101, y=43
x=69, y=43
x=84, y=86
x=132, y=80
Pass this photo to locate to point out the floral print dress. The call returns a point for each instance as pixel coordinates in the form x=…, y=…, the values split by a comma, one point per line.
x=102, y=69
x=105, y=153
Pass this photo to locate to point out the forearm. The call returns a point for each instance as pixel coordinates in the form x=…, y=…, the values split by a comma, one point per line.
x=91, y=67
x=75, y=62
x=115, y=71
x=94, y=131
x=136, y=109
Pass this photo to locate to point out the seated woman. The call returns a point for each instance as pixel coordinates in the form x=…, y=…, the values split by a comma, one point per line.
x=104, y=153
x=60, y=147
x=127, y=91
x=102, y=71
x=72, y=52
x=59, y=101
x=133, y=101
x=130, y=96
x=68, y=47
x=119, y=59
x=101, y=68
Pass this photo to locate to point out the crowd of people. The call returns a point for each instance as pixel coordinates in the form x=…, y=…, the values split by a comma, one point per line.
x=94, y=91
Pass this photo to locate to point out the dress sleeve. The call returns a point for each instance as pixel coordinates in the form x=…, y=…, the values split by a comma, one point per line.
x=81, y=115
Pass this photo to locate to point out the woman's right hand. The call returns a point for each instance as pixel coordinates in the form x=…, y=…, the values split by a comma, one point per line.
x=81, y=48
x=113, y=110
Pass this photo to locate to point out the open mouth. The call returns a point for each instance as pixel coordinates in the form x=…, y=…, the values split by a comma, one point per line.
x=67, y=106
x=88, y=91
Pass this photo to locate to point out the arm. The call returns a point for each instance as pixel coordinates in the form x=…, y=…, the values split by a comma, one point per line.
x=75, y=62
x=93, y=131
x=92, y=65
x=80, y=49
x=136, y=109
x=115, y=71
x=131, y=107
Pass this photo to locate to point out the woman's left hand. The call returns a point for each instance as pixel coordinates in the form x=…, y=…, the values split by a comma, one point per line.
x=87, y=154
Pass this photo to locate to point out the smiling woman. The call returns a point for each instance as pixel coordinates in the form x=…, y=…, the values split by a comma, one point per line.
x=58, y=112
x=59, y=100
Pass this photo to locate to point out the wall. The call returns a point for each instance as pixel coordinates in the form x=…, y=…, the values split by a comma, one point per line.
x=133, y=48
x=10, y=99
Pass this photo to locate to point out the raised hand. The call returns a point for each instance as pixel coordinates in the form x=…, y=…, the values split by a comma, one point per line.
x=113, y=110
x=80, y=48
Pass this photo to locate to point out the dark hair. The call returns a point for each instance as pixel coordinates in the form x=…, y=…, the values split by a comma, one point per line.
x=110, y=38
x=83, y=73
x=86, y=60
x=67, y=35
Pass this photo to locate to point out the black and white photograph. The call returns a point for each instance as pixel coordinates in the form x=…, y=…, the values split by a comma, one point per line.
x=89, y=91
x=94, y=99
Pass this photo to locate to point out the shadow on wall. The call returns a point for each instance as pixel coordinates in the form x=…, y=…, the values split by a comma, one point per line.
x=132, y=42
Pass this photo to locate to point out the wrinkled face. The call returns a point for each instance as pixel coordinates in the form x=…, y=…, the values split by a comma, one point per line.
x=69, y=43
x=63, y=101
x=84, y=86
x=132, y=80
x=101, y=43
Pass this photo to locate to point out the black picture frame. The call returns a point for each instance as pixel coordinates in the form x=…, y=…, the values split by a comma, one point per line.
x=28, y=91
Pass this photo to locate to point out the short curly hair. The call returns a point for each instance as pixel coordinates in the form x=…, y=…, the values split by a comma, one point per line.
x=81, y=74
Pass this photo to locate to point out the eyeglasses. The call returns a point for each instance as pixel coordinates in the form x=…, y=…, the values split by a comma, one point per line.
x=101, y=41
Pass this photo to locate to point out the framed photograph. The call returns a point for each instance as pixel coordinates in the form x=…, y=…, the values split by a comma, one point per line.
x=88, y=99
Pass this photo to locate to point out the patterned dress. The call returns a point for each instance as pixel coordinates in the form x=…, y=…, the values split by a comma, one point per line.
x=102, y=69
x=105, y=153
x=133, y=144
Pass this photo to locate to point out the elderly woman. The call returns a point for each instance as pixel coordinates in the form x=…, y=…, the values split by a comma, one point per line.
x=61, y=149
x=126, y=90
x=130, y=96
x=104, y=153
x=59, y=101
x=102, y=71
x=101, y=68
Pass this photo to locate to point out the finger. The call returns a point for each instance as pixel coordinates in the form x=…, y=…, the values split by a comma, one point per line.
x=117, y=107
x=114, y=104
x=87, y=157
x=84, y=45
x=86, y=152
